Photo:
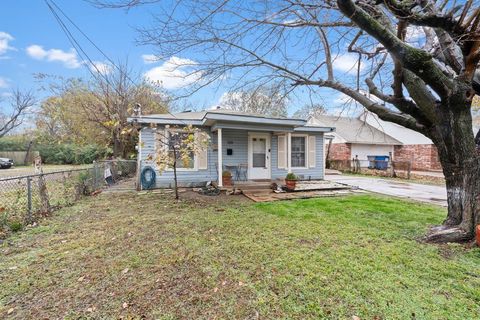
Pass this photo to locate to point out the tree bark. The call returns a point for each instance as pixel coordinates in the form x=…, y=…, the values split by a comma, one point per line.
x=455, y=142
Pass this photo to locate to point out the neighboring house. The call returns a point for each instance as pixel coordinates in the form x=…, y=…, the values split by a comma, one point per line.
x=268, y=147
x=353, y=137
x=414, y=147
x=369, y=136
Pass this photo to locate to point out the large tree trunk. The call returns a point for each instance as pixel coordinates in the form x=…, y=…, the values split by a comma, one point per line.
x=455, y=142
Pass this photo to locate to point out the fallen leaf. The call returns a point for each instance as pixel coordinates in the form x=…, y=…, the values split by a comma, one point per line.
x=224, y=283
x=125, y=270
x=215, y=289
x=10, y=311
x=240, y=283
x=81, y=279
x=125, y=305
x=13, y=268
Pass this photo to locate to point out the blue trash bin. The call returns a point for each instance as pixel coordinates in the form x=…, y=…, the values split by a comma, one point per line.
x=381, y=162
x=371, y=162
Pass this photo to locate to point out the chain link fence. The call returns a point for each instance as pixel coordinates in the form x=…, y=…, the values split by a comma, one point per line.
x=384, y=168
x=26, y=199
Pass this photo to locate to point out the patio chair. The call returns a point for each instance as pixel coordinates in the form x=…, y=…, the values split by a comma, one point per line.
x=242, y=172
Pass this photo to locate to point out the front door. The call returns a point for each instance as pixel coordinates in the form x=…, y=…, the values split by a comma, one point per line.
x=258, y=156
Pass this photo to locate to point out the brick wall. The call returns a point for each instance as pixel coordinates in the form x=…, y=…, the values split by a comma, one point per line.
x=340, y=151
x=422, y=156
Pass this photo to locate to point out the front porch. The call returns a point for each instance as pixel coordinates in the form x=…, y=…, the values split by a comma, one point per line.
x=265, y=154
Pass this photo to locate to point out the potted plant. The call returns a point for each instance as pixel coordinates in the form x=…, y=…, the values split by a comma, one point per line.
x=291, y=181
x=227, y=178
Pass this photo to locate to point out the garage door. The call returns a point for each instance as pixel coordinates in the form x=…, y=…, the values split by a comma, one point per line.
x=364, y=150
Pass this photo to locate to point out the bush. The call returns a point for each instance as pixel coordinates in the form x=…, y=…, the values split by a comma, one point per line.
x=14, y=143
x=53, y=153
x=72, y=154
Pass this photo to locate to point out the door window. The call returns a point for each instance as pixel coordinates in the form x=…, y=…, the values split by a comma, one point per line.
x=259, y=147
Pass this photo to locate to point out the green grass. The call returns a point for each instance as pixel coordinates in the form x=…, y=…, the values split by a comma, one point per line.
x=222, y=258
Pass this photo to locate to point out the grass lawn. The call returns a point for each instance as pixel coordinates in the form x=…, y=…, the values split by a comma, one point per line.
x=134, y=255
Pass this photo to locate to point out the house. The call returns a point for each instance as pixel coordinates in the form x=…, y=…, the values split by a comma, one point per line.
x=368, y=135
x=353, y=137
x=268, y=148
x=414, y=147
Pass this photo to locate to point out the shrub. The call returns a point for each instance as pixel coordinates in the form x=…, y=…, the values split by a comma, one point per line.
x=291, y=176
x=72, y=154
x=15, y=226
x=14, y=143
x=226, y=174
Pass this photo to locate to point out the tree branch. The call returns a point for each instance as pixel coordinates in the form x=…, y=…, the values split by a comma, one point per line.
x=416, y=60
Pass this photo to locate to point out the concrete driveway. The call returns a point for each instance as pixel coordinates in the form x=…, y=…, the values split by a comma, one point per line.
x=420, y=192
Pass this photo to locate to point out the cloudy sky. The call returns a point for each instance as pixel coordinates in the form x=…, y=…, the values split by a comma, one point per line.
x=31, y=41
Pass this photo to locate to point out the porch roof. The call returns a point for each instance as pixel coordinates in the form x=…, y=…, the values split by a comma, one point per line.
x=222, y=118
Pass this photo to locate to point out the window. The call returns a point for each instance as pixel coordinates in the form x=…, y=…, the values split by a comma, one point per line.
x=298, y=152
x=176, y=142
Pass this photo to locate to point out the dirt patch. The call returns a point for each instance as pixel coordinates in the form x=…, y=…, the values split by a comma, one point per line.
x=193, y=197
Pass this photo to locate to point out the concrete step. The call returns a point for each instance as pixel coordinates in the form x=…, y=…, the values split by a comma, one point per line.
x=252, y=186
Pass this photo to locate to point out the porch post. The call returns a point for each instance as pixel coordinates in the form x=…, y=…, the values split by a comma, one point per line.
x=220, y=164
x=289, y=152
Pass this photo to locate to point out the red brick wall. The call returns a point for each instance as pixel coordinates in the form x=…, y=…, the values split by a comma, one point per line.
x=422, y=156
x=340, y=151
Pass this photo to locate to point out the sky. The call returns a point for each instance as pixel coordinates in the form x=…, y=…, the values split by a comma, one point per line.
x=31, y=42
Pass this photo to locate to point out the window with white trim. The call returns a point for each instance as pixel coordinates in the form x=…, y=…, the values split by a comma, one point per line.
x=298, y=152
x=176, y=141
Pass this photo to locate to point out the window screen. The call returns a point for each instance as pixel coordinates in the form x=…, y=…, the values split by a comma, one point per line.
x=298, y=151
x=176, y=140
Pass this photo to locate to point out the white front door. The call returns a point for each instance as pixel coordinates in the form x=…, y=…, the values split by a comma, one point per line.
x=258, y=156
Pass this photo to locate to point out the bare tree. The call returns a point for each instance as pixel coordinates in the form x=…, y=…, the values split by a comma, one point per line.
x=20, y=105
x=265, y=100
x=175, y=147
x=416, y=63
x=310, y=110
x=97, y=110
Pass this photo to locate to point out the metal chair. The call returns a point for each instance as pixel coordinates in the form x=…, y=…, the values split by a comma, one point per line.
x=242, y=172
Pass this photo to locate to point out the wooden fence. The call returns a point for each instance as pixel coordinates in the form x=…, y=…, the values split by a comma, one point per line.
x=18, y=157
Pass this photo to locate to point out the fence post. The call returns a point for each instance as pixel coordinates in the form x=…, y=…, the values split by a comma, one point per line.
x=29, y=200
x=95, y=173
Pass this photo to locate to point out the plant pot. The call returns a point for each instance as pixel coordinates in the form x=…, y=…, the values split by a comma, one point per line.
x=477, y=234
x=227, y=181
x=291, y=184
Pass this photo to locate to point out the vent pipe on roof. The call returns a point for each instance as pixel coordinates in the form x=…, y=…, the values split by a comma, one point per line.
x=137, y=110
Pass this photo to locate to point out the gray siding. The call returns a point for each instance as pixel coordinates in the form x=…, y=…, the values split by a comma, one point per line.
x=310, y=173
x=234, y=139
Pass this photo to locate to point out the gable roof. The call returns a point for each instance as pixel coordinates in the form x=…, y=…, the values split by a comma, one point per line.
x=210, y=117
x=404, y=135
x=354, y=130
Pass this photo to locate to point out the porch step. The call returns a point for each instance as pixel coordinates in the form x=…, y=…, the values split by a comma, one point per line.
x=254, y=186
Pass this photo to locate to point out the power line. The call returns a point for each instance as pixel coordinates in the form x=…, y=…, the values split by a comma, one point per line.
x=83, y=55
x=72, y=40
